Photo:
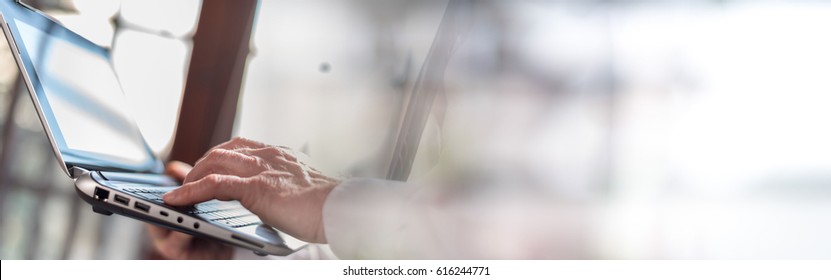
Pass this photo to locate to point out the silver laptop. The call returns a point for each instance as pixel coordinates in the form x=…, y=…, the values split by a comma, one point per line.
x=82, y=108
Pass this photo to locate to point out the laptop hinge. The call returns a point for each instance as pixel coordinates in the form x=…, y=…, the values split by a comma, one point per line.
x=76, y=172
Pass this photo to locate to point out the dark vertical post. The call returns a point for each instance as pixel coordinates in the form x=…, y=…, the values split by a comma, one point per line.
x=214, y=78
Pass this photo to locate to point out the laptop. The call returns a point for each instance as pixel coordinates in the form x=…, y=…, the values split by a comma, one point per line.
x=83, y=110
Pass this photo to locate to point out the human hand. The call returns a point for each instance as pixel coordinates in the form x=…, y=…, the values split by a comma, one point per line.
x=269, y=181
x=176, y=245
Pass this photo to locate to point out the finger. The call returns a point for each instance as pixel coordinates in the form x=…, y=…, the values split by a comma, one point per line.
x=178, y=170
x=168, y=243
x=281, y=152
x=215, y=154
x=225, y=162
x=269, y=152
x=304, y=160
x=294, y=168
x=157, y=232
x=240, y=142
x=214, y=186
x=288, y=153
x=277, y=158
x=314, y=174
x=236, y=143
x=273, y=158
x=283, y=179
x=321, y=181
x=285, y=159
x=175, y=245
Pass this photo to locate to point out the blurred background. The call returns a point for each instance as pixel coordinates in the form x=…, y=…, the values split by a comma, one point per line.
x=702, y=128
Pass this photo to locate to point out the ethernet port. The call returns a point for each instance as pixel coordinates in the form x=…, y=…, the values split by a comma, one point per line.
x=101, y=194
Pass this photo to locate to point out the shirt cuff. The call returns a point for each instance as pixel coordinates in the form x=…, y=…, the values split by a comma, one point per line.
x=363, y=218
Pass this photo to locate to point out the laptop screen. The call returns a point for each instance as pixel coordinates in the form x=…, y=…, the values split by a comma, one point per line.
x=77, y=95
x=84, y=95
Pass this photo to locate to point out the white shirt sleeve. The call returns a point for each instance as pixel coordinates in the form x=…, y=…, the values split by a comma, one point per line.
x=378, y=219
x=373, y=219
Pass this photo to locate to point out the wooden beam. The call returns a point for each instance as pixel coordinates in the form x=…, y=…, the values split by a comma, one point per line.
x=215, y=75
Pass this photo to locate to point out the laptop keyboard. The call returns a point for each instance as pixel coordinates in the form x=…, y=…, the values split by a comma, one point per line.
x=229, y=213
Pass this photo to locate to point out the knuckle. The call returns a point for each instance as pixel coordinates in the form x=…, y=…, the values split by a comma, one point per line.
x=260, y=181
x=222, y=155
x=274, y=151
x=243, y=142
x=285, y=150
x=213, y=179
x=252, y=182
x=203, y=158
x=256, y=188
x=257, y=161
x=246, y=158
x=282, y=181
x=212, y=154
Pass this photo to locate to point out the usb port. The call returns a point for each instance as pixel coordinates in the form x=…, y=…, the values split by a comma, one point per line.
x=142, y=206
x=122, y=200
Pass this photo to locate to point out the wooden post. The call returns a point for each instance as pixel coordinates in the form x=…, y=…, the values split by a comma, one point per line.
x=214, y=78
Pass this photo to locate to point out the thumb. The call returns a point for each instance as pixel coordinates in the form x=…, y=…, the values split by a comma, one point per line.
x=178, y=170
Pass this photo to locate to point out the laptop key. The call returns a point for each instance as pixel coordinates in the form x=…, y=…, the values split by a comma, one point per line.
x=229, y=213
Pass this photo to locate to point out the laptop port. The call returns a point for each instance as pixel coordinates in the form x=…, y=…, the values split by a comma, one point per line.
x=101, y=194
x=122, y=200
x=163, y=213
x=142, y=206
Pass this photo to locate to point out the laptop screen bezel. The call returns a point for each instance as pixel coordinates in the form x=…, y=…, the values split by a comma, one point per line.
x=12, y=12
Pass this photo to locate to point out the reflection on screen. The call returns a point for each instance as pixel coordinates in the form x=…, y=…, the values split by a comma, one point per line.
x=85, y=97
